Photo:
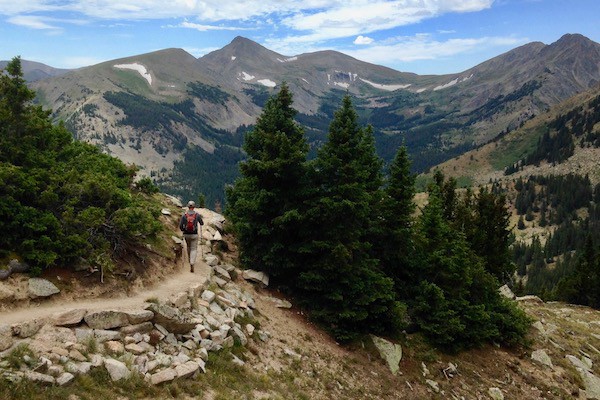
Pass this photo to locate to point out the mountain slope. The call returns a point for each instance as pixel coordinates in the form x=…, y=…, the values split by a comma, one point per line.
x=34, y=71
x=169, y=113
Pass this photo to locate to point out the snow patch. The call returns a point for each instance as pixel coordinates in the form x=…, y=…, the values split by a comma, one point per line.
x=304, y=80
x=136, y=67
x=233, y=58
x=267, y=82
x=247, y=77
x=290, y=59
x=446, y=85
x=421, y=90
x=389, y=88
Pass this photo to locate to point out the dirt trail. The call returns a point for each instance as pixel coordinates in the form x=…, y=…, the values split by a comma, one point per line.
x=179, y=281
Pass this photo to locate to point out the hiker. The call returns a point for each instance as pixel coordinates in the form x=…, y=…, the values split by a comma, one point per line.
x=189, y=226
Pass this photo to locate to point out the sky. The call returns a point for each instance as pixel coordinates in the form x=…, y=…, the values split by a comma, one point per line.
x=420, y=36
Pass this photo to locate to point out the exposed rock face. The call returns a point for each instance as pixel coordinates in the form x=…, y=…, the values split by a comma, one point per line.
x=39, y=287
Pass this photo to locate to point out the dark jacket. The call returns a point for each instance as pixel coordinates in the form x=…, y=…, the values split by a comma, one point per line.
x=183, y=222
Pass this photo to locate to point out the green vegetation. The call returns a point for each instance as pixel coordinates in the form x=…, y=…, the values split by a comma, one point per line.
x=206, y=92
x=346, y=243
x=61, y=200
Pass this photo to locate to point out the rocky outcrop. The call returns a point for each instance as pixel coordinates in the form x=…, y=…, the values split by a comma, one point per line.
x=390, y=352
x=39, y=287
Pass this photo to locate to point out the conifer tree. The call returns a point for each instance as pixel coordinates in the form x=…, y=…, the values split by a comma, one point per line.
x=264, y=204
x=341, y=282
x=393, y=237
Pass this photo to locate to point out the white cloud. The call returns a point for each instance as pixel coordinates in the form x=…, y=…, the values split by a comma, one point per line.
x=360, y=39
x=32, y=22
x=204, y=28
x=422, y=47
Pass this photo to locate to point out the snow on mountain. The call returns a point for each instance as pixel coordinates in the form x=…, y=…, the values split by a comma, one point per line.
x=137, y=67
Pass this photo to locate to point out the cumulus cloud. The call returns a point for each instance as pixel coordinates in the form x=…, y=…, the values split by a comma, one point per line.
x=360, y=39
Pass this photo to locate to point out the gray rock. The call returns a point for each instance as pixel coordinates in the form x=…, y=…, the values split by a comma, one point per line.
x=530, y=298
x=104, y=335
x=27, y=329
x=390, y=352
x=39, y=378
x=187, y=369
x=18, y=266
x=219, y=281
x=106, y=319
x=116, y=369
x=6, y=339
x=69, y=318
x=237, y=361
x=138, y=317
x=541, y=357
x=144, y=327
x=433, y=385
x=495, y=393
x=222, y=272
x=39, y=287
x=208, y=295
x=65, y=378
x=256, y=276
x=179, y=299
x=166, y=375
x=135, y=349
x=84, y=335
x=211, y=260
x=171, y=318
x=506, y=292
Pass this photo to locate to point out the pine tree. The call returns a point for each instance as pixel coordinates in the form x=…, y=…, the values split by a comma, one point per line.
x=264, y=204
x=393, y=237
x=341, y=282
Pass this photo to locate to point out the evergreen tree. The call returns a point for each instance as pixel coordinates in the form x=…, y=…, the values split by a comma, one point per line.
x=393, y=237
x=341, y=281
x=264, y=204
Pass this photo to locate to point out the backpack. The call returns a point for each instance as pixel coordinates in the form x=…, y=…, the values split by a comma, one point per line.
x=188, y=227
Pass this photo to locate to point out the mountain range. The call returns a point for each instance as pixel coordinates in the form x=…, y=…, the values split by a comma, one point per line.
x=182, y=119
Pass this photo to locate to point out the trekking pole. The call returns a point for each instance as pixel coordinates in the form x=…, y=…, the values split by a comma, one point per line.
x=201, y=246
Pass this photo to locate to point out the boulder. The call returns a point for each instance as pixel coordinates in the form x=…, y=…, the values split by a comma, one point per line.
x=39, y=287
x=103, y=335
x=144, y=327
x=222, y=272
x=39, y=378
x=27, y=329
x=116, y=369
x=506, y=292
x=390, y=352
x=138, y=317
x=106, y=319
x=256, y=276
x=69, y=318
x=541, y=357
x=166, y=375
x=211, y=260
x=114, y=347
x=187, y=369
x=65, y=378
x=18, y=266
x=171, y=318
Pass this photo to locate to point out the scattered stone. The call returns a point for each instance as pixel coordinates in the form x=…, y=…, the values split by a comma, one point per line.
x=249, y=329
x=222, y=272
x=144, y=327
x=69, y=318
x=187, y=369
x=39, y=287
x=135, y=349
x=65, y=378
x=103, y=335
x=27, y=329
x=506, y=292
x=237, y=361
x=138, y=317
x=390, y=352
x=106, y=319
x=171, y=318
x=292, y=354
x=166, y=375
x=76, y=355
x=165, y=211
x=114, y=347
x=211, y=260
x=541, y=357
x=495, y=393
x=40, y=378
x=217, y=237
x=256, y=276
x=424, y=369
x=116, y=369
x=433, y=385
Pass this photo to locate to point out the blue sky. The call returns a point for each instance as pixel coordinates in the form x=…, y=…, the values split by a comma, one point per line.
x=421, y=36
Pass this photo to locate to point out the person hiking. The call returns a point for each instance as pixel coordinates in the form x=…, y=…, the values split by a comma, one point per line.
x=189, y=226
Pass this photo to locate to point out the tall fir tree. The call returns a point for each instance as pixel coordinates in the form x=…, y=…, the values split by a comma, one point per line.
x=341, y=281
x=264, y=204
x=394, y=227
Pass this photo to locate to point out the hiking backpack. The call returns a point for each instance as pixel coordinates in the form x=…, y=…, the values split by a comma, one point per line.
x=188, y=227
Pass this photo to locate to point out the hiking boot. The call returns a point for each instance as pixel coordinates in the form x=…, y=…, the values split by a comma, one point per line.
x=191, y=268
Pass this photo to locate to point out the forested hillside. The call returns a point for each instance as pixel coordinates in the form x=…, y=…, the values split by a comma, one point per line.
x=63, y=202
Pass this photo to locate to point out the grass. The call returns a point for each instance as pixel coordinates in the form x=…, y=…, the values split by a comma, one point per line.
x=17, y=357
x=510, y=151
